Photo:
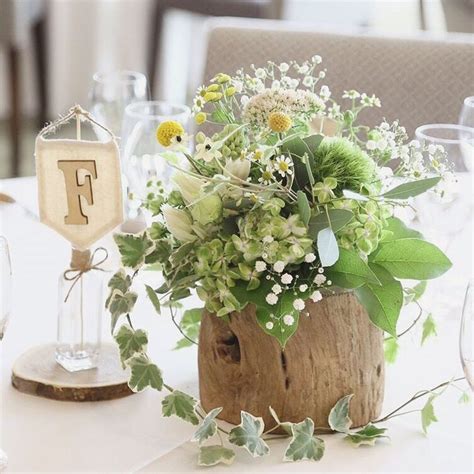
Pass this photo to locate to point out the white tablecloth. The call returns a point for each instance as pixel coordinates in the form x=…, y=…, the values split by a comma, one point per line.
x=130, y=434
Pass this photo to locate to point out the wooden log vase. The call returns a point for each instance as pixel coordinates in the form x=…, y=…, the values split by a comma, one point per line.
x=335, y=351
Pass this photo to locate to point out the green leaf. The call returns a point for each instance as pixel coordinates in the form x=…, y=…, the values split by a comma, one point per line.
x=248, y=435
x=144, y=374
x=391, y=347
x=368, y=435
x=297, y=149
x=429, y=328
x=182, y=405
x=398, y=230
x=120, y=281
x=413, y=259
x=427, y=414
x=313, y=142
x=350, y=271
x=339, y=415
x=178, y=255
x=412, y=189
x=303, y=444
x=383, y=303
x=464, y=398
x=208, y=427
x=133, y=248
x=327, y=247
x=415, y=293
x=130, y=342
x=353, y=195
x=286, y=425
x=153, y=298
x=338, y=218
x=119, y=304
x=303, y=207
x=212, y=455
x=190, y=324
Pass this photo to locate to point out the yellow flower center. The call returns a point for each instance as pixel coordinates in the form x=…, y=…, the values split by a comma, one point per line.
x=279, y=122
x=258, y=155
x=283, y=165
x=267, y=175
x=168, y=130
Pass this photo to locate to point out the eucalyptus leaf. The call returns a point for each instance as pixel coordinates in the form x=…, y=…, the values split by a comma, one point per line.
x=353, y=195
x=248, y=435
x=208, y=427
x=327, y=247
x=350, y=271
x=413, y=259
x=339, y=415
x=144, y=374
x=181, y=405
x=213, y=455
x=303, y=444
x=338, y=218
x=412, y=189
x=303, y=207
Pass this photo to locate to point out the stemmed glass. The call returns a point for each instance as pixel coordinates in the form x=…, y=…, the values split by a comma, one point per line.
x=466, y=119
x=5, y=305
x=142, y=155
x=466, y=349
x=111, y=93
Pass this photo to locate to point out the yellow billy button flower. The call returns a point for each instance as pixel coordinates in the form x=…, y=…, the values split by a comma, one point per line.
x=212, y=88
x=212, y=96
x=200, y=118
x=230, y=91
x=222, y=78
x=279, y=122
x=167, y=131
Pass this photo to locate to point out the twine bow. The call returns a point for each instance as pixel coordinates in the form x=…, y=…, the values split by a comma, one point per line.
x=75, y=274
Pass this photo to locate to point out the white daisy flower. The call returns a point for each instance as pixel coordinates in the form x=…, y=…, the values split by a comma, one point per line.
x=279, y=266
x=309, y=258
x=260, y=266
x=316, y=296
x=283, y=165
x=298, y=304
x=207, y=151
x=276, y=288
x=271, y=298
x=288, y=319
x=267, y=176
x=286, y=279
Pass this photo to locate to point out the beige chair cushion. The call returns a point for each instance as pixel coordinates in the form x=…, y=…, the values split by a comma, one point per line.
x=419, y=80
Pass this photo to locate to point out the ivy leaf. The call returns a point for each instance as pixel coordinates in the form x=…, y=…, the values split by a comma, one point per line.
x=248, y=435
x=120, y=303
x=413, y=259
x=382, y=302
x=412, y=189
x=153, y=297
x=303, y=444
x=327, y=247
x=339, y=415
x=208, y=427
x=120, y=281
x=144, y=374
x=182, y=405
x=367, y=435
x=427, y=414
x=350, y=271
x=190, y=324
x=390, y=347
x=338, y=218
x=133, y=248
x=212, y=455
x=286, y=425
x=303, y=207
x=429, y=328
x=130, y=342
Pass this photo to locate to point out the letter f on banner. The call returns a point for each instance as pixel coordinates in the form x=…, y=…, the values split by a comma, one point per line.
x=74, y=189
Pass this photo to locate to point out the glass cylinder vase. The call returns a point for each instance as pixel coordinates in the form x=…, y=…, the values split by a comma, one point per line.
x=81, y=305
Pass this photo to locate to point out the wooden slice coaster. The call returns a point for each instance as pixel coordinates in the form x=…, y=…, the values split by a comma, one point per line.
x=36, y=372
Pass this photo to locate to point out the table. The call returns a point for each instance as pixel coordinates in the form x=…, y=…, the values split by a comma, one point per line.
x=131, y=435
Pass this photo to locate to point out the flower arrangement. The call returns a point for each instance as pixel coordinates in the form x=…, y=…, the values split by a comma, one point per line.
x=289, y=200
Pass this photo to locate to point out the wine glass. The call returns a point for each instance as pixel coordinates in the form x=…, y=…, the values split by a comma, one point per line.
x=466, y=119
x=111, y=93
x=5, y=305
x=142, y=155
x=466, y=349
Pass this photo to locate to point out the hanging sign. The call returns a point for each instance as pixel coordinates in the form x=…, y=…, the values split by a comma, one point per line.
x=79, y=184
